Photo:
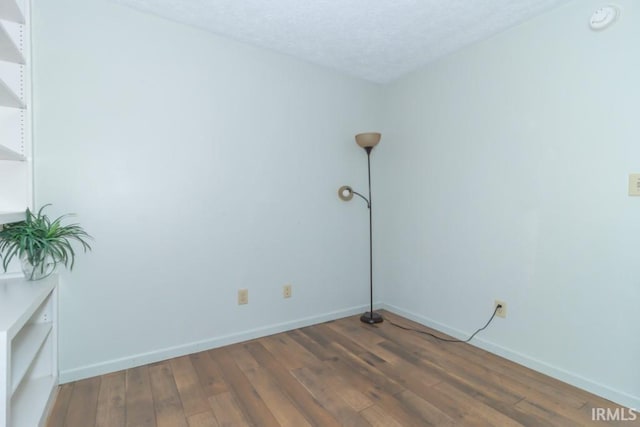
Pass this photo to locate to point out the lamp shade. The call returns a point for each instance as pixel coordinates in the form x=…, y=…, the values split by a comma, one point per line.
x=368, y=139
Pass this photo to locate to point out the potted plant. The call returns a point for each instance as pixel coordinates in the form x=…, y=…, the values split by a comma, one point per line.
x=41, y=244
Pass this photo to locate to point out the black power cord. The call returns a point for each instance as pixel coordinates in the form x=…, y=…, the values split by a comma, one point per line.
x=498, y=307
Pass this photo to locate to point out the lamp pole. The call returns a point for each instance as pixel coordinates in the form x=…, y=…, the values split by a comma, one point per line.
x=370, y=317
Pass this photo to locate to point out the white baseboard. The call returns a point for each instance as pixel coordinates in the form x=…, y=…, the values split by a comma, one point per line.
x=616, y=396
x=195, y=347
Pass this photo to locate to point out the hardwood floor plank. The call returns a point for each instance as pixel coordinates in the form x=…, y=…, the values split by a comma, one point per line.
x=282, y=407
x=227, y=411
x=310, y=345
x=243, y=358
x=203, y=419
x=363, y=334
x=430, y=414
x=343, y=412
x=334, y=337
x=166, y=399
x=286, y=348
x=139, y=405
x=548, y=416
x=377, y=417
x=475, y=408
x=344, y=355
x=192, y=396
x=356, y=376
x=60, y=406
x=352, y=396
x=408, y=375
x=83, y=403
x=399, y=362
x=398, y=410
x=209, y=373
x=356, y=399
x=314, y=412
x=111, y=401
x=254, y=408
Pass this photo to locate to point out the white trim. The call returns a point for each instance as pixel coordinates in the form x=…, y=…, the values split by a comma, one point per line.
x=195, y=347
x=617, y=396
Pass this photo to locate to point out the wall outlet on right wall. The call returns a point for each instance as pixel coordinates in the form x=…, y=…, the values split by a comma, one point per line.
x=502, y=311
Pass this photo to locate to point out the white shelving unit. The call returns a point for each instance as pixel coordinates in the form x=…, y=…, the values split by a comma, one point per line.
x=9, y=50
x=28, y=350
x=15, y=110
x=9, y=11
x=28, y=310
x=8, y=154
x=8, y=98
x=6, y=217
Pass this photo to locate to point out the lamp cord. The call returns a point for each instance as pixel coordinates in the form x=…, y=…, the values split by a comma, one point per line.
x=446, y=339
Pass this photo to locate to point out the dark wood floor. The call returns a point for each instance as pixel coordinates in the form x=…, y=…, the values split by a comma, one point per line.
x=336, y=373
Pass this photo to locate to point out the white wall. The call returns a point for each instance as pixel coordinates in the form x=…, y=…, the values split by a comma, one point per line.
x=503, y=174
x=201, y=166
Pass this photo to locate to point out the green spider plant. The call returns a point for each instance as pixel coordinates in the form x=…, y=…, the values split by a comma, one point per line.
x=41, y=242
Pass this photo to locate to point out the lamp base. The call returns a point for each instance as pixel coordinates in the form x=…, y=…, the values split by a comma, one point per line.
x=371, y=318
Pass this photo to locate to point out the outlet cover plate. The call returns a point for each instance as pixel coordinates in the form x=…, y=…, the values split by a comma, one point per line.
x=243, y=296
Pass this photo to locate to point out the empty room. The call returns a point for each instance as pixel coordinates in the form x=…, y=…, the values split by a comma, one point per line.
x=291, y=213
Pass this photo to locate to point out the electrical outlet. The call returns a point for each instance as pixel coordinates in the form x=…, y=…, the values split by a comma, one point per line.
x=243, y=296
x=286, y=291
x=502, y=311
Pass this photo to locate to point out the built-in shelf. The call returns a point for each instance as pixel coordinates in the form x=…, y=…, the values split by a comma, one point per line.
x=26, y=347
x=27, y=404
x=9, y=154
x=8, y=98
x=10, y=11
x=19, y=299
x=8, y=50
x=16, y=159
x=9, y=217
x=28, y=343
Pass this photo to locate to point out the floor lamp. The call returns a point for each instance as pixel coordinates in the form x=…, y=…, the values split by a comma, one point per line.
x=366, y=141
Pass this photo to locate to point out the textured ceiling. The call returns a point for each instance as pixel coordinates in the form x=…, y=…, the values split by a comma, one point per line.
x=377, y=40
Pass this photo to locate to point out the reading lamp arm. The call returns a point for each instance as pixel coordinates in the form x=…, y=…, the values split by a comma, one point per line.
x=363, y=198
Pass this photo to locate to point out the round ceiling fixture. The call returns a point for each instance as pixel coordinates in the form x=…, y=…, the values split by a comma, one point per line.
x=603, y=17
